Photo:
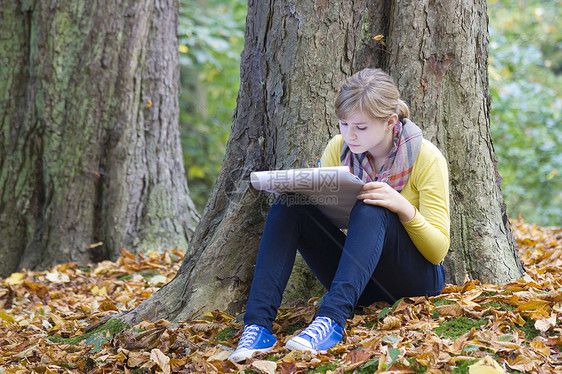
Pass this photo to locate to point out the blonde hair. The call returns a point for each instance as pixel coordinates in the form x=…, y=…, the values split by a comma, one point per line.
x=372, y=92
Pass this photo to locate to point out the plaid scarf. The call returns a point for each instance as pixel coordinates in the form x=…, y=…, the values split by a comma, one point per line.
x=399, y=162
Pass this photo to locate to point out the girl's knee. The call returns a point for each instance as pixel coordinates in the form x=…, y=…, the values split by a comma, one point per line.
x=363, y=210
x=288, y=205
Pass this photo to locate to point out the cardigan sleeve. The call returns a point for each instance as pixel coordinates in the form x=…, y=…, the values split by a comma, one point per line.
x=429, y=229
x=332, y=152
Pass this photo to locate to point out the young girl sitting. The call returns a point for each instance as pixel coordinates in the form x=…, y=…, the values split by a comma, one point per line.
x=398, y=230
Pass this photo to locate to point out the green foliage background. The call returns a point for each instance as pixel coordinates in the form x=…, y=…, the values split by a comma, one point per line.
x=525, y=78
x=211, y=35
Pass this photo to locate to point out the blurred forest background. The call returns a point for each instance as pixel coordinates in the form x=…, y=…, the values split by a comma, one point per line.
x=525, y=72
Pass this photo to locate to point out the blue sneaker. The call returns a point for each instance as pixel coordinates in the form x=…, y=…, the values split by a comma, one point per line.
x=322, y=334
x=254, y=339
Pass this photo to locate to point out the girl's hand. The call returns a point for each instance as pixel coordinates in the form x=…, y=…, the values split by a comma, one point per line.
x=381, y=194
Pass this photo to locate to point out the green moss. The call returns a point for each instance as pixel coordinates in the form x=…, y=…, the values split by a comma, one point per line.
x=226, y=334
x=416, y=366
x=368, y=367
x=85, y=268
x=365, y=26
x=435, y=314
x=72, y=341
x=369, y=324
x=499, y=306
x=291, y=329
x=529, y=329
x=90, y=364
x=323, y=368
x=440, y=302
x=95, y=337
x=458, y=326
x=462, y=367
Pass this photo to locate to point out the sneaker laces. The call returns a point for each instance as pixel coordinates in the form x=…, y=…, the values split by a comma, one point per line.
x=248, y=336
x=319, y=328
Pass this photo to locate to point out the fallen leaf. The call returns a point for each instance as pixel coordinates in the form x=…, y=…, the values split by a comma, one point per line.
x=158, y=280
x=161, y=359
x=219, y=356
x=540, y=347
x=264, y=366
x=453, y=310
x=543, y=325
x=523, y=362
x=486, y=365
x=56, y=277
x=99, y=291
x=15, y=279
x=390, y=323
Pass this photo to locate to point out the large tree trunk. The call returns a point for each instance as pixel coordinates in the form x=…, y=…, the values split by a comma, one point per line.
x=438, y=54
x=296, y=56
x=89, y=147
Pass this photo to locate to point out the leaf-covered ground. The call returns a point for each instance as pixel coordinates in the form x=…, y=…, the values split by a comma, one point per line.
x=476, y=328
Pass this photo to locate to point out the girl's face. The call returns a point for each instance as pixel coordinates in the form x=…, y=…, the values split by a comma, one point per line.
x=363, y=133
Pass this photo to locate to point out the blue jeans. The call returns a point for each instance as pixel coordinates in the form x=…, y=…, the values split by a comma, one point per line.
x=376, y=261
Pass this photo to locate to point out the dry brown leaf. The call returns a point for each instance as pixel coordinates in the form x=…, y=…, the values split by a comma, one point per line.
x=486, y=365
x=34, y=305
x=220, y=355
x=138, y=359
x=355, y=358
x=264, y=366
x=543, y=325
x=390, y=323
x=161, y=359
x=521, y=363
x=540, y=347
x=453, y=310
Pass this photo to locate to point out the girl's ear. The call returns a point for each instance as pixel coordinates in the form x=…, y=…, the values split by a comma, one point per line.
x=392, y=120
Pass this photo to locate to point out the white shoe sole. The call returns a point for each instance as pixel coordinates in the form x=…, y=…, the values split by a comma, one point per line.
x=244, y=354
x=295, y=345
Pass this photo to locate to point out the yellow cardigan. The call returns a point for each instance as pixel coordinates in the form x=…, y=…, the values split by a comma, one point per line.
x=427, y=190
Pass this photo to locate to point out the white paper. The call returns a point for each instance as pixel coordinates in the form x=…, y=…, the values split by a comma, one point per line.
x=333, y=189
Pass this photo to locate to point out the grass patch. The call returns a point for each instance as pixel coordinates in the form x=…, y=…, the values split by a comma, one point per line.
x=458, y=326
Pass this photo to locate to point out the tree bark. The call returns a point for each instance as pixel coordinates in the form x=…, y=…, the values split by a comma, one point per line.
x=438, y=55
x=296, y=56
x=91, y=160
